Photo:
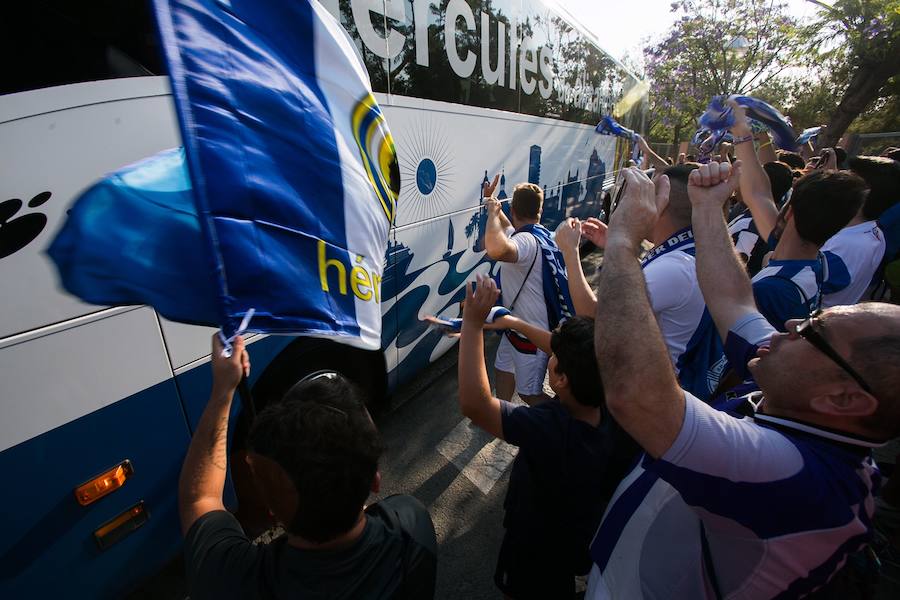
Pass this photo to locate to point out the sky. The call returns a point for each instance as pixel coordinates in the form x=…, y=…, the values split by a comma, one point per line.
x=624, y=25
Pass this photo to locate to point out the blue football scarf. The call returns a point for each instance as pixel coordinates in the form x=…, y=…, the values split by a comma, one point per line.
x=292, y=173
x=720, y=117
x=554, y=276
x=810, y=133
x=683, y=239
x=609, y=126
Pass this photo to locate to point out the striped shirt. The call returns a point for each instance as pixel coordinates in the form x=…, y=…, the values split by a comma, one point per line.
x=787, y=289
x=747, y=241
x=780, y=504
x=855, y=252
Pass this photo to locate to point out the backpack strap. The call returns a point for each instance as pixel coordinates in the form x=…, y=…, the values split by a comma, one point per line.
x=524, y=281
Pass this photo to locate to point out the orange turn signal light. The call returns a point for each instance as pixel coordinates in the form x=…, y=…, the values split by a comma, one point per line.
x=113, y=531
x=103, y=484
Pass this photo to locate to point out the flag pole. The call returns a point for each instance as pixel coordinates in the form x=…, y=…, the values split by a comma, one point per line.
x=246, y=398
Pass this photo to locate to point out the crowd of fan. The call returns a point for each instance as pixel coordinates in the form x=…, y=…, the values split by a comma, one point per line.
x=716, y=401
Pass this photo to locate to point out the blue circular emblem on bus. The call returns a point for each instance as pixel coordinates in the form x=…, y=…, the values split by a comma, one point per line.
x=426, y=176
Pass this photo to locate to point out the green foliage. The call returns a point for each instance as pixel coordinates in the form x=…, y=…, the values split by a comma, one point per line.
x=852, y=35
x=693, y=63
x=803, y=69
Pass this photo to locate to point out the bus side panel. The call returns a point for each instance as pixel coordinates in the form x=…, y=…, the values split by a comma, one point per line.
x=46, y=160
x=48, y=548
x=445, y=152
x=78, y=399
x=435, y=289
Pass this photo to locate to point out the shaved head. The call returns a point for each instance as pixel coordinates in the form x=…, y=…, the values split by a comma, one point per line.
x=874, y=352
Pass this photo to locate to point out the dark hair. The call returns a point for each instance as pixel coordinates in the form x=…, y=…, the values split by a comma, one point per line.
x=780, y=178
x=823, y=202
x=527, y=200
x=883, y=178
x=321, y=434
x=573, y=345
x=840, y=156
x=792, y=159
x=679, y=207
x=691, y=157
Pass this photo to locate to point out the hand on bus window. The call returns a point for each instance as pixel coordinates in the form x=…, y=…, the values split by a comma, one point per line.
x=227, y=372
x=639, y=208
x=568, y=236
x=488, y=189
x=481, y=295
x=594, y=230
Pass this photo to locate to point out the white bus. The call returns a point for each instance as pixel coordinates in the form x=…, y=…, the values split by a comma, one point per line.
x=98, y=404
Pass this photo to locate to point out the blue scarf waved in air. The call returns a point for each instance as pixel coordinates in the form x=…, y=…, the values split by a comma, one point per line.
x=609, y=126
x=719, y=116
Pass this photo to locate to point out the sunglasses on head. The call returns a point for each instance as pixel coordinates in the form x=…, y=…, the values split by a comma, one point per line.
x=806, y=330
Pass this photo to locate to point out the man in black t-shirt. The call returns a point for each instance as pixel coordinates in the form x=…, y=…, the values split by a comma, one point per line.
x=572, y=454
x=314, y=458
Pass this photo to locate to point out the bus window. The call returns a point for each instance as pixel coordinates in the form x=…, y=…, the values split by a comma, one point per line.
x=55, y=42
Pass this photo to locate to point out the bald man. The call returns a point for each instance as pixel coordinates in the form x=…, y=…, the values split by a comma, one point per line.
x=765, y=497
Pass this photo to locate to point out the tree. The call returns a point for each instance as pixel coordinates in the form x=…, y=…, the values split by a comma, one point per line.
x=692, y=63
x=862, y=41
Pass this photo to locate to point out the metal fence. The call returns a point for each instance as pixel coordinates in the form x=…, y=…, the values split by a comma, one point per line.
x=872, y=144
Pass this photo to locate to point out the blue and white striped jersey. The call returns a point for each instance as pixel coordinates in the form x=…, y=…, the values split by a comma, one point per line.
x=747, y=240
x=787, y=289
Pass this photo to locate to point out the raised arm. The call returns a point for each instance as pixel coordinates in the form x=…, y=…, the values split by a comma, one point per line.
x=639, y=382
x=756, y=190
x=654, y=159
x=568, y=238
x=475, y=398
x=203, y=473
x=539, y=336
x=766, y=150
x=721, y=274
x=496, y=243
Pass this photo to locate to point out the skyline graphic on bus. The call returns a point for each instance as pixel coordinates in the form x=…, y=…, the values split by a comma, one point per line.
x=573, y=195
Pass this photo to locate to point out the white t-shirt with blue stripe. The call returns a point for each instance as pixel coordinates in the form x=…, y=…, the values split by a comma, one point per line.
x=782, y=506
x=854, y=252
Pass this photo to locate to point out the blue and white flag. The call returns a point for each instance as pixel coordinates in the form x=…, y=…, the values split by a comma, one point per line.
x=719, y=117
x=293, y=173
x=808, y=134
x=134, y=238
x=609, y=126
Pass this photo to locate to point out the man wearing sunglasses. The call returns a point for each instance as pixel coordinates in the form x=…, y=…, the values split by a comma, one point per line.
x=767, y=503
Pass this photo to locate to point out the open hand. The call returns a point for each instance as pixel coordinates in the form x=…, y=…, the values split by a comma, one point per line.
x=639, y=208
x=713, y=183
x=594, y=230
x=481, y=295
x=488, y=189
